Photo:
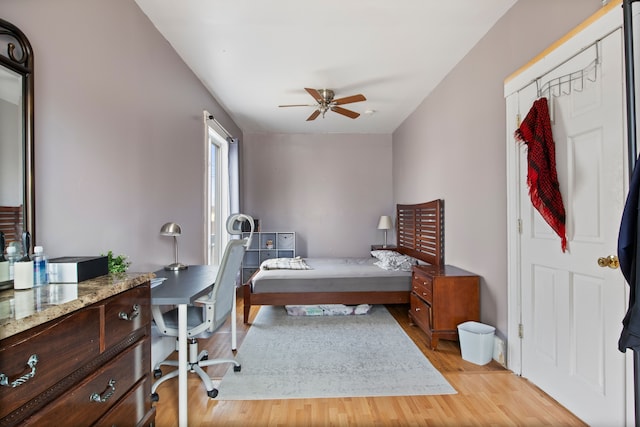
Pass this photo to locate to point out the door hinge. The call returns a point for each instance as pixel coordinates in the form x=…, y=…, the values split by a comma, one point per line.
x=519, y=226
x=518, y=120
x=520, y=331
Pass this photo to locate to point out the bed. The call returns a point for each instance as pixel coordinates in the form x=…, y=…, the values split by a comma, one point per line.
x=353, y=281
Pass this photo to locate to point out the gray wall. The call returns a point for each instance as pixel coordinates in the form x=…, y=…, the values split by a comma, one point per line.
x=118, y=132
x=454, y=145
x=330, y=189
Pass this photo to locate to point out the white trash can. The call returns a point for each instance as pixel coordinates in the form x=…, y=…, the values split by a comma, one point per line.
x=476, y=342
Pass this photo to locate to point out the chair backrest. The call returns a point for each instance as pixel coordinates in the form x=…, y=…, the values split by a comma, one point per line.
x=223, y=293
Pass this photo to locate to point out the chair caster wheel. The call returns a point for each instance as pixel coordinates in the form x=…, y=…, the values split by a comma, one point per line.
x=237, y=368
x=155, y=397
x=205, y=357
x=212, y=393
x=157, y=373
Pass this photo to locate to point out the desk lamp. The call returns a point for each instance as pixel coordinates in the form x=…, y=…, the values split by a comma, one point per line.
x=172, y=229
x=385, y=224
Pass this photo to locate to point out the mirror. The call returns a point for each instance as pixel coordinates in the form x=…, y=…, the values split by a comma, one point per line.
x=17, y=194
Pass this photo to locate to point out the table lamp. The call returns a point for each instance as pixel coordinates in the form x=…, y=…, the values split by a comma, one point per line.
x=172, y=229
x=385, y=224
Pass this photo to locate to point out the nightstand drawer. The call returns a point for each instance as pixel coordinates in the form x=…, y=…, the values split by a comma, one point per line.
x=422, y=286
x=421, y=313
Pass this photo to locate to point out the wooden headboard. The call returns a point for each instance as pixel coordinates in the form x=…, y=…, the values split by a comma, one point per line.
x=11, y=223
x=420, y=231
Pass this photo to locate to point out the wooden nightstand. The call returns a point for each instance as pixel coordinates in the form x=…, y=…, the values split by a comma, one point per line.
x=441, y=299
x=381, y=247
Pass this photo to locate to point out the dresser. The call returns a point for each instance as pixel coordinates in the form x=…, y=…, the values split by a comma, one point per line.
x=441, y=299
x=84, y=357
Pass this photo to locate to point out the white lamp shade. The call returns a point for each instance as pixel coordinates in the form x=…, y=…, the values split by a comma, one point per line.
x=385, y=223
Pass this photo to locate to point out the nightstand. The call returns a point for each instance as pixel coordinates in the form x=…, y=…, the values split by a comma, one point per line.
x=441, y=299
x=381, y=248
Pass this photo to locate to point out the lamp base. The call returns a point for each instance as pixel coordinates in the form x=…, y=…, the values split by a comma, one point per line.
x=175, y=266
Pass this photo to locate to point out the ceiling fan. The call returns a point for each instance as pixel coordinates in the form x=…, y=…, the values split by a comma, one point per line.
x=325, y=102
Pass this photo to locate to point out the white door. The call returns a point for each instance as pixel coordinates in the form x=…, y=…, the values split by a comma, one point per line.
x=571, y=307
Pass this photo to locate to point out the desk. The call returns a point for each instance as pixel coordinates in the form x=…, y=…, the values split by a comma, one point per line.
x=183, y=288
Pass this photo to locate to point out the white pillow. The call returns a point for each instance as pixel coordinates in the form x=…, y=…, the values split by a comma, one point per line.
x=391, y=260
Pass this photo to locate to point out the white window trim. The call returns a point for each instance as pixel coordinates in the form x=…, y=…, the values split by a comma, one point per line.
x=213, y=135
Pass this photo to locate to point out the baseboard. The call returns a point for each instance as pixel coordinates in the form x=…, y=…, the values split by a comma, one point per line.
x=499, y=351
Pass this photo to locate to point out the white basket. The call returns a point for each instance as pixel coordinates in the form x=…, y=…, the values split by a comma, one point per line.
x=476, y=342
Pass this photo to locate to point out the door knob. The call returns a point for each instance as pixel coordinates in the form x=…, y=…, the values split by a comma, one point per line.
x=611, y=261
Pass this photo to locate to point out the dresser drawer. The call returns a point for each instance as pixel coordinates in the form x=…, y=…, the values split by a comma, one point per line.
x=136, y=405
x=99, y=392
x=126, y=313
x=422, y=286
x=421, y=313
x=61, y=347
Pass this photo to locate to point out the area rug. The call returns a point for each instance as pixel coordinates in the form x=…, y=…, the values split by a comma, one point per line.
x=296, y=357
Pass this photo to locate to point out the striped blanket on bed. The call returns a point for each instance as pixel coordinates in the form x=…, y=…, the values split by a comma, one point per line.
x=296, y=263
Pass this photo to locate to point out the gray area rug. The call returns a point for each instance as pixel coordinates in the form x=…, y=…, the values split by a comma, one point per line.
x=295, y=357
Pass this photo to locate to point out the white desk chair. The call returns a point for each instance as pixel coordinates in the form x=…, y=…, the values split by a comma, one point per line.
x=209, y=313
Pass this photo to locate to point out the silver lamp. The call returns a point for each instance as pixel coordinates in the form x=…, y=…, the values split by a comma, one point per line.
x=173, y=230
x=385, y=224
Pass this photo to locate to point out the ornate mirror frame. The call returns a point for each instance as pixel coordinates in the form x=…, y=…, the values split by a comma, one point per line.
x=17, y=56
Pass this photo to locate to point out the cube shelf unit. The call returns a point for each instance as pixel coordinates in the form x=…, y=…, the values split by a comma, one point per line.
x=284, y=246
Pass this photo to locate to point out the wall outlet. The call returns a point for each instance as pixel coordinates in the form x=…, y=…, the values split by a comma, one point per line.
x=499, y=354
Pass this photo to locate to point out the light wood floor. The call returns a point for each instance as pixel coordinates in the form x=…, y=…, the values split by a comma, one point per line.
x=487, y=395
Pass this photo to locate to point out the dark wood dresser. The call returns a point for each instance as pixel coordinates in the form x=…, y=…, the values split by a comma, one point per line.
x=90, y=366
x=441, y=299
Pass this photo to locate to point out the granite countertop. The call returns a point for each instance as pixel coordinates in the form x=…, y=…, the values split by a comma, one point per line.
x=24, y=309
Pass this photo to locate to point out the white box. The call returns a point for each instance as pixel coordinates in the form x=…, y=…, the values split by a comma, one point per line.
x=476, y=342
x=285, y=241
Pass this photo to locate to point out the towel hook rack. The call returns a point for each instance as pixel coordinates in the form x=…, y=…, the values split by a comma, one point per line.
x=574, y=81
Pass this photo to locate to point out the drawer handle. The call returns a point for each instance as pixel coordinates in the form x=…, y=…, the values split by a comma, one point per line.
x=417, y=308
x=111, y=389
x=31, y=363
x=135, y=313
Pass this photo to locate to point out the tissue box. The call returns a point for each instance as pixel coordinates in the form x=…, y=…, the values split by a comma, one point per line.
x=74, y=269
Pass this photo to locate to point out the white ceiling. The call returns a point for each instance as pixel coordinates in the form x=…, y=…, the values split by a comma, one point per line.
x=256, y=55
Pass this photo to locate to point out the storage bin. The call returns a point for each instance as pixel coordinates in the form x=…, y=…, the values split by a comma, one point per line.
x=476, y=342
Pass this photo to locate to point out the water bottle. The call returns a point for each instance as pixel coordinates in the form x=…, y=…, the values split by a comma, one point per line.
x=12, y=257
x=40, y=276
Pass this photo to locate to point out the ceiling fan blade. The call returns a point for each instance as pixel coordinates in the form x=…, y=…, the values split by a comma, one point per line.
x=315, y=94
x=298, y=105
x=349, y=99
x=313, y=115
x=345, y=112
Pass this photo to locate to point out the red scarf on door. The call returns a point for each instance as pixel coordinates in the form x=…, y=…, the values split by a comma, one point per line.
x=542, y=178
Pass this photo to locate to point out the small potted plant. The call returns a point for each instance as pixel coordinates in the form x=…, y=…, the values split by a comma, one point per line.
x=117, y=264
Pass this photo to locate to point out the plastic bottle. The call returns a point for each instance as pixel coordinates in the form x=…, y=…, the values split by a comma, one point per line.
x=40, y=276
x=12, y=257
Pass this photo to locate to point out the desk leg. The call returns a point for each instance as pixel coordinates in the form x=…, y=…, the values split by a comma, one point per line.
x=234, y=344
x=182, y=367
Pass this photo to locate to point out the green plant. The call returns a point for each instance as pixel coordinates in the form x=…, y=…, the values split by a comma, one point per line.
x=117, y=264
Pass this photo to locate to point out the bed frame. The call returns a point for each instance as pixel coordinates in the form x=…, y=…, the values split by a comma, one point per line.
x=420, y=234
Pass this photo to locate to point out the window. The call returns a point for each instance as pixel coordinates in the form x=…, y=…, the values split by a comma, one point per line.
x=222, y=186
x=217, y=191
